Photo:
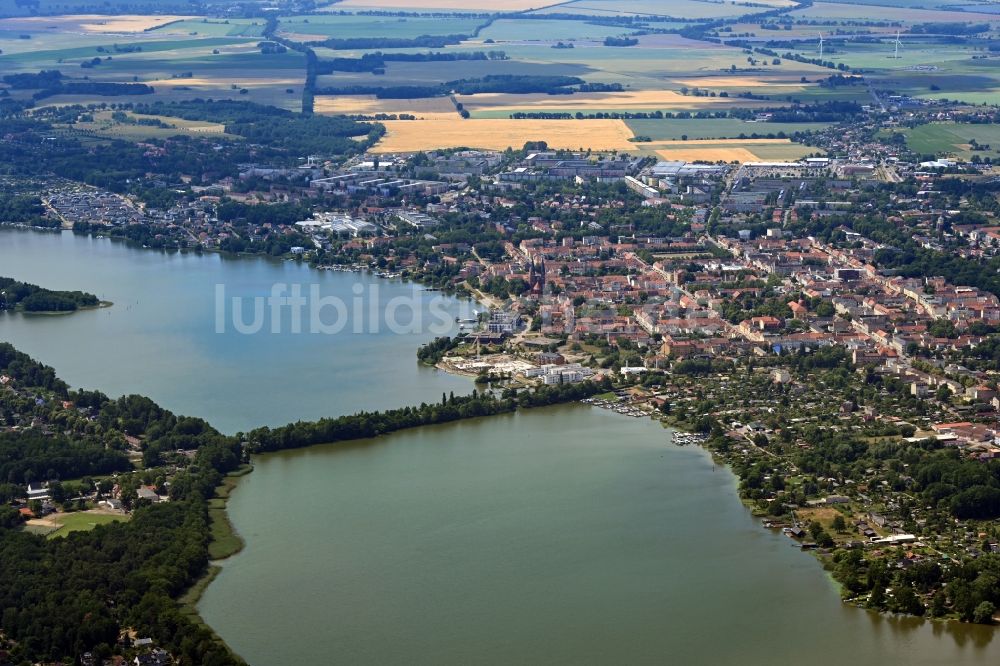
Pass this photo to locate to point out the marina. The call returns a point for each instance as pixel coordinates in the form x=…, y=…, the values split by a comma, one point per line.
x=617, y=407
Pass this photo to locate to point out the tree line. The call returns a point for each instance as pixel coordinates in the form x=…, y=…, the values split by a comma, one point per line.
x=494, y=83
x=366, y=425
x=32, y=298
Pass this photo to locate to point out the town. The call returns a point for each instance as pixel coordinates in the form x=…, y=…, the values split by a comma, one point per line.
x=827, y=327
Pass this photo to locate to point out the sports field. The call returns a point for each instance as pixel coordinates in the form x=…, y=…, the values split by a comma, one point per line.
x=61, y=524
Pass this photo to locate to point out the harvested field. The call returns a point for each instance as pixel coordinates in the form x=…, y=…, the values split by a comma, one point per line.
x=403, y=136
x=369, y=105
x=706, y=154
x=89, y=23
x=237, y=78
x=740, y=82
x=734, y=150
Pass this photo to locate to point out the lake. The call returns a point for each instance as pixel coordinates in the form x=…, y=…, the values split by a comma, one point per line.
x=564, y=535
x=161, y=338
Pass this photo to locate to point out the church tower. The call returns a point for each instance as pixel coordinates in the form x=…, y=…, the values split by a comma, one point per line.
x=536, y=277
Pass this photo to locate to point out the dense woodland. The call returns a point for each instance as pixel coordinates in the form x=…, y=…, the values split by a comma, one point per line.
x=62, y=597
x=32, y=298
x=23, y=209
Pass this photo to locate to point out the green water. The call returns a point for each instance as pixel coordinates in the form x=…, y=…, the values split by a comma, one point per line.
x=569, y=535
x=160, y=337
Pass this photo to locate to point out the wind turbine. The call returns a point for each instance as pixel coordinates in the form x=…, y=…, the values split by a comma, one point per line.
x=821, y=46
x=897, y=44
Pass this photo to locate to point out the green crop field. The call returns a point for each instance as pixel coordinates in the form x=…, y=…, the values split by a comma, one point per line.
x=141, y=7
x=953, y=139
x=350, y=25
x=926, y=67
x=68, y=58
x=820, y=11
x=674, y=129
x=694, y=9
x=902, y=4
x=522, y=30
x=195, y=56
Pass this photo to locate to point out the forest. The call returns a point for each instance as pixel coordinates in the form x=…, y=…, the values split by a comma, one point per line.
x=101, y=88
x=62, y=597
x=23, y=209
x=31, y=456
x=32, y=298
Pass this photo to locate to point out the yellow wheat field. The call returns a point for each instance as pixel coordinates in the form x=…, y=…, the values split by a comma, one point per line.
x=405, y=136
x=709, y=155
x=89, y=23
x=369, y=105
